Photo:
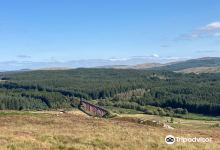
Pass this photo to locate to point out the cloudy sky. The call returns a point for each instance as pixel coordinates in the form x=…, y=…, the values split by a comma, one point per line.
x=66, y=30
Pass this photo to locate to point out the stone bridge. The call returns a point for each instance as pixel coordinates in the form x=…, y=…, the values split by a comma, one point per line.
x=92, y=109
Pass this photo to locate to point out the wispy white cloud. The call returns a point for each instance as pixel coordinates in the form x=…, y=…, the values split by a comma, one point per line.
x=173, y=59
x=210, y=30
x=155, y=55
x=152, y=56
x=211, y=26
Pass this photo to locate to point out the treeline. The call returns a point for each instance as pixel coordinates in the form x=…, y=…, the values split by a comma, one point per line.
x=167, y=111
x=126, y=88
x=19, y=98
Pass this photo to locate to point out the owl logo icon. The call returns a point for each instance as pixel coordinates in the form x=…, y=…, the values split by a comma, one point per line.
x=169, y=139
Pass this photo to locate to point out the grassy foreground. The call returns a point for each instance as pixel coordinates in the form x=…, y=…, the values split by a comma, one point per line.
x=75, y=130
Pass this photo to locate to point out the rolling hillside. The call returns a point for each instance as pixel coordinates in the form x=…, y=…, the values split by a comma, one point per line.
x=200, y=65
x=201, y=70
x=193, y=63
x=138, y=66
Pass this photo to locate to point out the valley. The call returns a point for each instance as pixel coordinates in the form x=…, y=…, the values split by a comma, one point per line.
x=40, y=109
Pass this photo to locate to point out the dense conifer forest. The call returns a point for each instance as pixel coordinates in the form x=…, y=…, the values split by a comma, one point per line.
x=123, y=88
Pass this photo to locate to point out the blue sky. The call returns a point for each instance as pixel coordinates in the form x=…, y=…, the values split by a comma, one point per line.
x=64, y=30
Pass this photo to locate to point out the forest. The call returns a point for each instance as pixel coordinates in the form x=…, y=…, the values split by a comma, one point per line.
x=169, y=92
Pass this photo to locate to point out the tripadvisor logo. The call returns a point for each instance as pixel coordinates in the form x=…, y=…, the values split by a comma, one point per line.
x=169, y=139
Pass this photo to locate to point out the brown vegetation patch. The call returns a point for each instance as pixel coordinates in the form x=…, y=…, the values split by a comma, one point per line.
x=76, y=131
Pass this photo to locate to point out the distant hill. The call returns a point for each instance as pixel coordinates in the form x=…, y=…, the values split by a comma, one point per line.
x=138, y=66
x=115, y=66
x=201, y=70
x=55, y=68
x=201, y=64
x=147, y=65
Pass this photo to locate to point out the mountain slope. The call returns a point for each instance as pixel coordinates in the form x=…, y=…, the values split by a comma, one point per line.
x=138, y=66
x=193, y=63
x=147, y=65
x=201, y=70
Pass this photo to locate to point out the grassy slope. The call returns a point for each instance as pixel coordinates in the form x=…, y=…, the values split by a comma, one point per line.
x=74, y=130
x=193, y=63
x=201, y=70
